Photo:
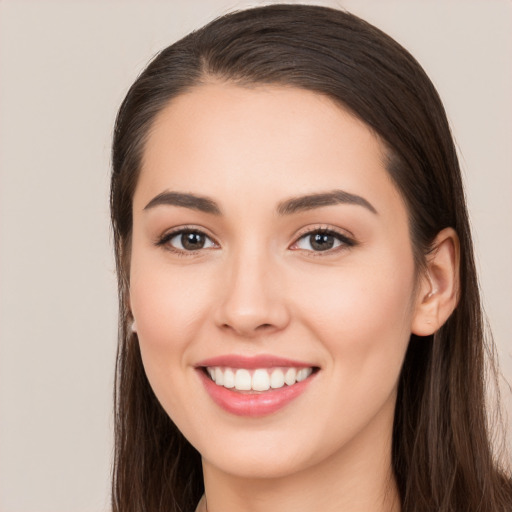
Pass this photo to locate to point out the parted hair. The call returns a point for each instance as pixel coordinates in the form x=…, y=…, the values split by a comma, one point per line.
x=441, y=451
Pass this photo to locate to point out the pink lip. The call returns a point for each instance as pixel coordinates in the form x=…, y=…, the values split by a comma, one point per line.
x=252, y=404
x=251, y=362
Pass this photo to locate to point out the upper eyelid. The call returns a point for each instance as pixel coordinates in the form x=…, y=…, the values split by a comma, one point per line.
x=308, y=230
x=171, y=233
x=323, y=228
x=346, y=238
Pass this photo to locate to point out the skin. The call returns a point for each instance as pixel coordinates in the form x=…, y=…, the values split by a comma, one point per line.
x=258, y=287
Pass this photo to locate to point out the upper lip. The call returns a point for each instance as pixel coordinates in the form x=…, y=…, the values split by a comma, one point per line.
x=252, y=362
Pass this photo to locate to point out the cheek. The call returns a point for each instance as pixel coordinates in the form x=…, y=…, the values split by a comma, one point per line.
x=363, y=314
x=361, y=319
x=168, y=303
x=170, y=308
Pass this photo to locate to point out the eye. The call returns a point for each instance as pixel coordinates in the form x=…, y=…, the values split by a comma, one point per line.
x=187, y=240
x=322, y=240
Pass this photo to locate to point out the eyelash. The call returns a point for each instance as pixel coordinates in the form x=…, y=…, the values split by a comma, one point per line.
x=164, y=240
x=344, y=240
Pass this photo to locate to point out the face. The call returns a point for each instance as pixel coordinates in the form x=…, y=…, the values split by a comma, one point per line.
x=272, y=278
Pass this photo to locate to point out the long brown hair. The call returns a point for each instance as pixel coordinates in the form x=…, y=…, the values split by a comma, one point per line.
x=442, y=457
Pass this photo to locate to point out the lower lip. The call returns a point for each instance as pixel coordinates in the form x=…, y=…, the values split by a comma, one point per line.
x=253, y=404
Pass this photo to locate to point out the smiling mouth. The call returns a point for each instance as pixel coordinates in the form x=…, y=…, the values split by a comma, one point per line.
x=259, y=379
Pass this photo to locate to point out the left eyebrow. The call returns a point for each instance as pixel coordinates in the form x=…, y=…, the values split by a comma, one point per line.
x=311, y=201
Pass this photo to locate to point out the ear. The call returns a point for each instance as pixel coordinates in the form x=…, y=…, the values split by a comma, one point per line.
x=133, y=324
x=438, y=292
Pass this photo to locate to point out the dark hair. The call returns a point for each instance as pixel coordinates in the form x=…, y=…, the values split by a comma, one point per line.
x=441, y=452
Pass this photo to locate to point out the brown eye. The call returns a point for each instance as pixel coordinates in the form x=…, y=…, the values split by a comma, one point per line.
x=321, y=241
x=192, y=241
x=188, y=240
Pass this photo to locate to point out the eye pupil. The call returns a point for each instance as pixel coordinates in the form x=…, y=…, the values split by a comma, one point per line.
x=322, y=241
x=192, y=241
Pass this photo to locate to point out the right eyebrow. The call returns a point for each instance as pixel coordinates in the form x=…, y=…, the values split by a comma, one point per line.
x=203, y=204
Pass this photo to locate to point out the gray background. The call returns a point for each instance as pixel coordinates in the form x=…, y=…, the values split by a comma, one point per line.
x=64, y=68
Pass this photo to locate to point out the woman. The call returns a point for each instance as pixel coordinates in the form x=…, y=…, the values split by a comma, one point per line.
x=300, y=321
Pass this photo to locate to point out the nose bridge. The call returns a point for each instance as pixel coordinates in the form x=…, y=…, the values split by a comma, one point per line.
x=252, y=299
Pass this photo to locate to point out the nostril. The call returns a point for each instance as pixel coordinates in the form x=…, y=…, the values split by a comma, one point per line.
x=261, y=327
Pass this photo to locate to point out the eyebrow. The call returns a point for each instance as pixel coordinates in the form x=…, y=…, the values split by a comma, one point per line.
x=302, y=203
x=203, y=204
x=288, y=207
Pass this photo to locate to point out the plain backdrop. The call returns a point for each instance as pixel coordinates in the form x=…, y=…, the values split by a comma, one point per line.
x=64, y=69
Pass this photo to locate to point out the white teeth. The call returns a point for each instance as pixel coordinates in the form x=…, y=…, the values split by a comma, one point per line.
x=229, y=378
x=277, y=379
x=242, y=380
x=290, y=376
x=303, y=374
x=219, y=376
x=261, y=379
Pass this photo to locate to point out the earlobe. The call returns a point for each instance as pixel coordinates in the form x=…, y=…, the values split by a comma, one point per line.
x=133, y=323
x=439, y=288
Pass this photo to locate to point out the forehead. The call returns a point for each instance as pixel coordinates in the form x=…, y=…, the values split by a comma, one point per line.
x=261, y=143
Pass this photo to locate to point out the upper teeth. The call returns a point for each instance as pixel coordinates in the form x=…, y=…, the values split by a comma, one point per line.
x=260, y=379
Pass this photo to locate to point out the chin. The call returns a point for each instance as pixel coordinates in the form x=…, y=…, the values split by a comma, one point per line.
x=257, y=464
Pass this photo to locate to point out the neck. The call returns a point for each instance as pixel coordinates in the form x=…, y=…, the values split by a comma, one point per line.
x=358, y=478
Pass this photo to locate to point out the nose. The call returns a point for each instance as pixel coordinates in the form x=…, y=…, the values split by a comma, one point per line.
x=252, y=302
